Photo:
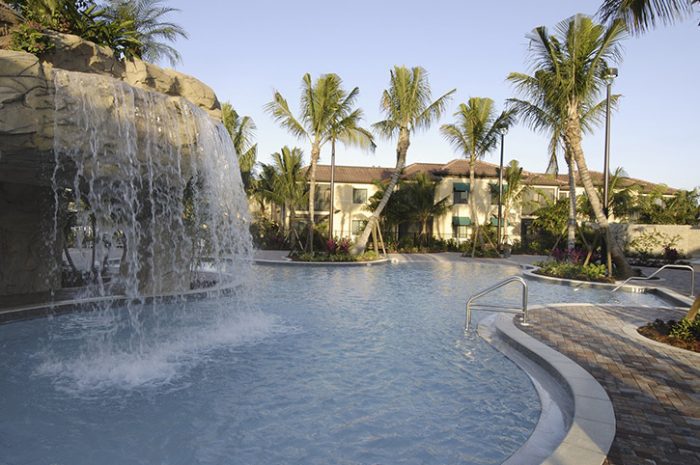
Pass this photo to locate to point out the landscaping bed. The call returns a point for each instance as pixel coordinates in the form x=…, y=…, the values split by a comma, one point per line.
x=684, y=333
x=323, y=257
x=568, y=270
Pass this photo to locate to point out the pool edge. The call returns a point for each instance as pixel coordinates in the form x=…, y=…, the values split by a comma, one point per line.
x=592, y=427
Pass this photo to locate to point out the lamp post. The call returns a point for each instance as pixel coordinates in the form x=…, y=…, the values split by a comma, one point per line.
x=503, y=132
x=332, y=200
x=610, y=76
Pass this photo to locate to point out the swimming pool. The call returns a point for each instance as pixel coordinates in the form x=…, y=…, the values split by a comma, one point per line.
x=322, y=366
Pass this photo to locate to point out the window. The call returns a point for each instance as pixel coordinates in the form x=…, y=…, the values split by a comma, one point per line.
x=563, y=195
x=322, y=198
x=460, y=232
x=357, y=227
x=460, y=226
x=359, y=196
x=460, y=192
x=537, y=198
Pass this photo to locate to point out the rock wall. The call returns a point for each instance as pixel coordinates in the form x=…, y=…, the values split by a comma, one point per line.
x=27, y=119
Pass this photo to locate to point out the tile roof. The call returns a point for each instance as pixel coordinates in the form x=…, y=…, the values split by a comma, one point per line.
x=460, y=168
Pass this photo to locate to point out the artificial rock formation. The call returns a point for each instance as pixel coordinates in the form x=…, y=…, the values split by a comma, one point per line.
x=29, y=246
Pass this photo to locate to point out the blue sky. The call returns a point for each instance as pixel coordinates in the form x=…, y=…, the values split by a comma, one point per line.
x=246, y=50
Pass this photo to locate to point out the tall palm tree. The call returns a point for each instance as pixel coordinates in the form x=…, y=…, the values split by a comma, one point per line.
x=284, y=184
x=148, y=17
x=642, y=15
x=476, y=132
x=546, y=116
x=242, y=131
x=570, y=68
x=327, y=114
x=407, y=106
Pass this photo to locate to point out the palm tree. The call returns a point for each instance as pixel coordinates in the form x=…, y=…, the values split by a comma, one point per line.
x=476, y=132
x=642, y=15
x=151, y=27
x=345, y=127
x=546, y=116
x=570, y=69
x=242, y=131
x=419, y=196
x=283, y=183
x=326, y=115
x=514, y=192
x=408, y=108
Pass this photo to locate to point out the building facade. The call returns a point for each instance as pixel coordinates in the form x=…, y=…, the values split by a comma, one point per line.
x=355, y=185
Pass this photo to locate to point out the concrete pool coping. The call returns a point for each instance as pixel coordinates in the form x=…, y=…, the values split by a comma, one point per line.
x=585, y=407
x=290, y=262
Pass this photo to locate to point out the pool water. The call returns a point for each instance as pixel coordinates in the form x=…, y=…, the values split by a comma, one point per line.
x=364, y=365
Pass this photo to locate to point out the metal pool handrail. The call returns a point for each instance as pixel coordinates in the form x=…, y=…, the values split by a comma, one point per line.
x=497, y=308
x=678, y=267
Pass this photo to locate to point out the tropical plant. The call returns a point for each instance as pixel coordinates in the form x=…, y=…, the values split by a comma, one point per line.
x=476, y=133
x=622, y=199
x=570, y=68
x=407, y=106
x=79, y=17
x=327, y=114
x=282, y=183
x=642, y=15
x=657, y=208
x=242, y=131
x=147, y=18
x=418, y=195
x=394, y=213
x=513, y=192
x=548, y=116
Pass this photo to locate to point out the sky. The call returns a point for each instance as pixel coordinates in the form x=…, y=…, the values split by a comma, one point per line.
x=247, y=50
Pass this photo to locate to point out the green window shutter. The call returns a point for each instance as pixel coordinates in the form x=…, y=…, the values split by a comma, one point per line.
x=461, y=221
x=460, y=187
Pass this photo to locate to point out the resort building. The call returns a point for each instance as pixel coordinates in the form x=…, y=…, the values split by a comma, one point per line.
x=355, y=185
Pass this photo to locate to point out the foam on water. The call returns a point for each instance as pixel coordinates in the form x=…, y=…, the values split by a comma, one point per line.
x=168, y=356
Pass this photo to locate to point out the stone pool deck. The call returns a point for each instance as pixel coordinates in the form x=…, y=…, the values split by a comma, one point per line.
x=655, y=390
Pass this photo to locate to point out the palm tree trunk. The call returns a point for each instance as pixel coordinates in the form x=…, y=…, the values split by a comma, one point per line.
x=472, y=202
x=401, y=151
x=315, y=154
x=572, y=137
x=693, y=312
x=571, y=226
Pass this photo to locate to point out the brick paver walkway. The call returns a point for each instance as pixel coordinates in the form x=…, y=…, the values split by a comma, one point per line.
x=655, y=391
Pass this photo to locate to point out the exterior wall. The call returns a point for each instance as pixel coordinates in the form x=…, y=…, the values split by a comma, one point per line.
x=689, y=242
x=349, y=211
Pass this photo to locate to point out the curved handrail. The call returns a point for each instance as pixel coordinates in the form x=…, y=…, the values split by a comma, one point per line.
x=499, y=285
x=678, y=267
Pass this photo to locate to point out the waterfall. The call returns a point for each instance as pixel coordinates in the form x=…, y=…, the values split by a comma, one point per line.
x=148, y=194
x=156, y=179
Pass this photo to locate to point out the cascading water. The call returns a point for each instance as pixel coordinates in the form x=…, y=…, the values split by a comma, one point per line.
x=153, y=176
x=149, y=185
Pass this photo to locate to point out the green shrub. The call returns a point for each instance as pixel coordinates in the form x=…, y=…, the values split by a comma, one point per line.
x=29, y=37
x=685, y=329
x=567, y=270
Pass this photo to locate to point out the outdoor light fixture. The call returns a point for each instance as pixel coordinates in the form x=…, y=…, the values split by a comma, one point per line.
x=609, y=77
